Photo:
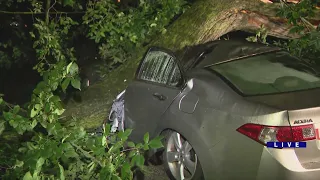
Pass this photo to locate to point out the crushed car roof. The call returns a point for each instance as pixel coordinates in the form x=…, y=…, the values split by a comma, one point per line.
x=220, y=51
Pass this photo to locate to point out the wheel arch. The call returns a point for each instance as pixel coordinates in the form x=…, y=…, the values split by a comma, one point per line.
x=196, y=140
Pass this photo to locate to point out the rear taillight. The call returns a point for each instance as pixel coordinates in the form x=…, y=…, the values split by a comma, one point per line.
x=264, y=134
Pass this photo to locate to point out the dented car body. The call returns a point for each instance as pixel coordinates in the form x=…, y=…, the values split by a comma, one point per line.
x=227, y=99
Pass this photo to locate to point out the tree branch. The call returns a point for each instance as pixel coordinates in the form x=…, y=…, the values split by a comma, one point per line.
x=47, y=11
x=87, y=154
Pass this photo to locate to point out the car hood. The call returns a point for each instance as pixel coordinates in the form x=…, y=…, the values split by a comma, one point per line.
x=289, y=101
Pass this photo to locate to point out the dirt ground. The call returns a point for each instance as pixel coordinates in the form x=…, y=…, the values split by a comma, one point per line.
x=155, y=173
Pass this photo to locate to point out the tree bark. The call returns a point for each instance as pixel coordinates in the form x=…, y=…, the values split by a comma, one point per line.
x=206, y=20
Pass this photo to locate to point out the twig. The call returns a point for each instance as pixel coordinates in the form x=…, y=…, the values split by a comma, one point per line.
x=307, y=24
x=87, y=154
x=1, y=167
x=130, y=149
x=12, y=105
x=32, y=15
x=47, y=11
x=52, y=5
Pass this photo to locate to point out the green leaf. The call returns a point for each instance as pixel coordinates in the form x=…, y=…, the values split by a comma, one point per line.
x=124, y=135
x=126, y=171
x=131, y=154
x=34, y=123
x=156, y=143
x=18, y=164
x=7, y=116
x=68, y=3
x=127, y=132
x=146, y=147
x=13, y=123
x=40, y=162
x=16, y=109
x=104, y=141
x=28, y=176
x=74, y=69
x=37, y=106
x=106, y=129
x=68, y=67
x=295, y=15
x=139, y=160
x=59, y=111
x=32, y=35
x=146, y=138
x=2, y=126
x=76, y=83
x=65, y=84
x=62, y=177
x=131, y=144
x=104, y=173
x=139, y=145
x=92, y=167
x=47, y=108
x=71, y=153
x=1, y=100
x=33, y=113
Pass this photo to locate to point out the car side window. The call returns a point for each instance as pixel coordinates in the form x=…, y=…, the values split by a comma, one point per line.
x=160, y=67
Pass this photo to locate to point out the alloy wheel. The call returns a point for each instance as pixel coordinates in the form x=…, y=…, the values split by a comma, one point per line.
x=181, y=157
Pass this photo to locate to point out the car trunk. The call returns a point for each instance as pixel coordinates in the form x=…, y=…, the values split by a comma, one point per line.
x=303, y=109
x=289, y=101
x=309, y=157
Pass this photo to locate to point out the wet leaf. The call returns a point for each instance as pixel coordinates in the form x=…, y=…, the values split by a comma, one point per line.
x=127, y=132
x=2, y=126
x=16, y=109
x=65, y=84
x=156, y=143
x=28, y=176
x=68, y=3
x=62, y=177
x=40, y=162
x=131, y=144
x=76, y=83
x=68, y=67
x=74, y=69
x=146, y=138
x=33, y=113
x=139, y=160
x=126, y=171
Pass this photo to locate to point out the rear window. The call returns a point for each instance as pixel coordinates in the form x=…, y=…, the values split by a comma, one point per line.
x=269, y=73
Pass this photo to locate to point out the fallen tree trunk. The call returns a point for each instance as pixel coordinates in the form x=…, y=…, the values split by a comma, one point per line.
x=205, y=21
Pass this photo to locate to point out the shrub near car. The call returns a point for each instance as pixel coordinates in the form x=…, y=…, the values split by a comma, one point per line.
x=217, y=106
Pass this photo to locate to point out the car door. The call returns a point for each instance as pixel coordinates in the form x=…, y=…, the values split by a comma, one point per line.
x=157, y=82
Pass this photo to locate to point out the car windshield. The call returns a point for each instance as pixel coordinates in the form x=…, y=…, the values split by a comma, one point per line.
x=269, y=73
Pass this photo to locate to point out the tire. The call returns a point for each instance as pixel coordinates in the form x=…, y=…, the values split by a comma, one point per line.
x=179, y=158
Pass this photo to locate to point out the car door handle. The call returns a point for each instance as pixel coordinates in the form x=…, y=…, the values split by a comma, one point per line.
x=159, y=96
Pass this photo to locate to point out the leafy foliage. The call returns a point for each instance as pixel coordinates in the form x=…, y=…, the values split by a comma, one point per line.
x=48, y=149
x=261, y=36
x=307, y=47
x=120, y=32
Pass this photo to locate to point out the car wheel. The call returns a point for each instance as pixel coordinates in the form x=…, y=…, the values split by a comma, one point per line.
x=179, y=158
